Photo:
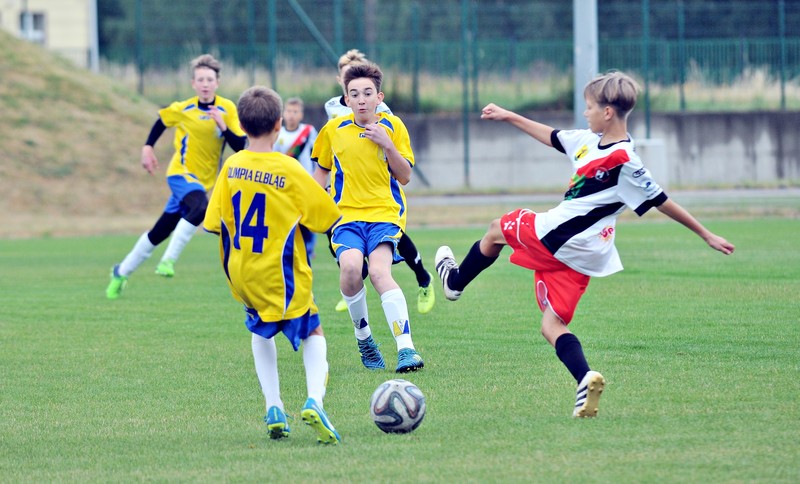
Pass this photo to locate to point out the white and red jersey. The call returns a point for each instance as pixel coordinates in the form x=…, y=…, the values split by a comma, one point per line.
x=298, y=144
x=336, y=107
x=607, y=179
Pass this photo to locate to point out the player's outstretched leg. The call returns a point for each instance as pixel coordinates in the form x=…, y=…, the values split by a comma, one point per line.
x=445, y=264
x=588, y=395
x=314, y=416
x=277, y=427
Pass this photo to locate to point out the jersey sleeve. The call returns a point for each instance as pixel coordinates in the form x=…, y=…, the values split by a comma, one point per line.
x=319, y=211
x=637, y=188
x=321, y=153
x=171, y=115
x=231, y=117
x=399, y=134
x=213, y=218
x=305, y=155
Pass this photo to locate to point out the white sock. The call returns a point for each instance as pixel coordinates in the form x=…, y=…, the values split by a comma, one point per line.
x=180, y=237
x=396, y=311
x=140, y=252
x=315, y=359
x=357, y=306
x=265, y=355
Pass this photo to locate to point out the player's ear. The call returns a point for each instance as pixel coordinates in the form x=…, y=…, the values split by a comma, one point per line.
x=278, y=124
x=380, y=96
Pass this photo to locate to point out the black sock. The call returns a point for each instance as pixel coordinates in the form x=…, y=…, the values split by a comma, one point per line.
x=409, y=252
x=472, y=265
x=570, y=352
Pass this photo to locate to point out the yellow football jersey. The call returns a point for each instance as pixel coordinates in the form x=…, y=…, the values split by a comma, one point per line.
x=258, y=203
x=361, y=183
x=198, y=140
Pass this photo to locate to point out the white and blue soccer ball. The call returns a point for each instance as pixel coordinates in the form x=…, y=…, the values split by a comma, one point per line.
x=397, y=406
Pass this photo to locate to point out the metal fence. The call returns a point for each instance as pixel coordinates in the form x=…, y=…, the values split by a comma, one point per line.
x=666, y=43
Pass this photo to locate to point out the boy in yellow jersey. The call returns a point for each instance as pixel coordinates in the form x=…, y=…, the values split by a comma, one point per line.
x=368, y=156
x=203, y=124
x=335, y=107
x=258, y=204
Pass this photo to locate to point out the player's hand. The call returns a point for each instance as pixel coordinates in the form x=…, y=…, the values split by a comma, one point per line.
x=718, y=243
x=149, y=160
x=216, y=115
x=377, y=134
x=494, y=112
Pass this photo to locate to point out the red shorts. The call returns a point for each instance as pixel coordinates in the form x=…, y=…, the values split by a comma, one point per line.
x=557, y=285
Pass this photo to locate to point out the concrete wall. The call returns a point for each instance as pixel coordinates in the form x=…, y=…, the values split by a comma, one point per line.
x=686, y=150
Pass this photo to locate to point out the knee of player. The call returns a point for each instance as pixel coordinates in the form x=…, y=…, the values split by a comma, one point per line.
x=378, y=275
x=350, y=271
x=494, y=233
x=196, y=209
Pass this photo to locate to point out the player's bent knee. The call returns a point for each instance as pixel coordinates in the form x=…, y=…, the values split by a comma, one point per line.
x=196, y=204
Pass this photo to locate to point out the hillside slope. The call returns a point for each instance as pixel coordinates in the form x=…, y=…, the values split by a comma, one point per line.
x=70, y=149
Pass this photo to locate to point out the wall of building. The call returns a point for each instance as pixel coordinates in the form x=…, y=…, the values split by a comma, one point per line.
x=685, y=150
x=66, y=24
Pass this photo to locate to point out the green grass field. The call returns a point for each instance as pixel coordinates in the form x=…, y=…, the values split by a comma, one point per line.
x=700, y=352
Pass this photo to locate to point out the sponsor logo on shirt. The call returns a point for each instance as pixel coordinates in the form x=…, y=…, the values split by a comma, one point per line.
x=607, y=233
x=581, y=152
x=638, y=173
x=601, y=175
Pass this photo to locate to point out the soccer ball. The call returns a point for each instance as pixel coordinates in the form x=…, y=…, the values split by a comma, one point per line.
x=397, y=406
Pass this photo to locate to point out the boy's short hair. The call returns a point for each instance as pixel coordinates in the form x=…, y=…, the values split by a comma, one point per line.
x=206, y=60
x=259, y=108
x=369, y=70
x=352, y=56
x=294, y=101
x=614, y=89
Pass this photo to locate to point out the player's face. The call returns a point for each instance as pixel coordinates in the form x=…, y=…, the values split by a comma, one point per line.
x=363, y=98
x=596, y=115
x=292, y=115
x=205, y=84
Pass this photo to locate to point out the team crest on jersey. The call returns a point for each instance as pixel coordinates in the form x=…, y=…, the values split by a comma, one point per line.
x=581, y=152
x=400, y=327
x=575, y=186
x=607, y=233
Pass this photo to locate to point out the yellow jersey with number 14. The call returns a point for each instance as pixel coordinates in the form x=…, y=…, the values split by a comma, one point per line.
x=361, y=181
x=257, y=206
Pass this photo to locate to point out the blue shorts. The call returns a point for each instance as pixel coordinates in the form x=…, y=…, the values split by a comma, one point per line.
x=295, y=330
x=366, y=237
x=181, y=185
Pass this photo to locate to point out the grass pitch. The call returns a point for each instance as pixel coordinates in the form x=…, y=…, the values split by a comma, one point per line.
x=700, y=352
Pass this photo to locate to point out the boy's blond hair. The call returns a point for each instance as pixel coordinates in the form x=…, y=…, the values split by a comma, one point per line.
x=352, y=56
x=206, y=60
x=369, y=71
x=614, y=89
x=260, y=109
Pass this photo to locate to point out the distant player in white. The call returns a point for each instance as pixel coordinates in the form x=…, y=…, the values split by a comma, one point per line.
x=296, y=140
x=336, y=107
x=571, y=243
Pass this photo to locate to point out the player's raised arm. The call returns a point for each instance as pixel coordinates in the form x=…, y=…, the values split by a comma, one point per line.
x=535, y=129
x=679, y=214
